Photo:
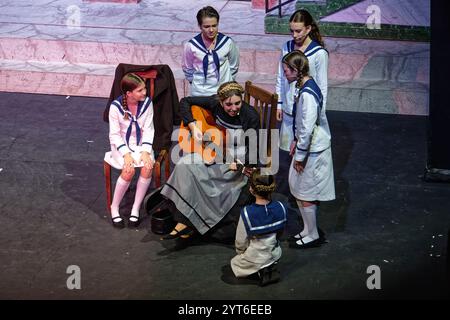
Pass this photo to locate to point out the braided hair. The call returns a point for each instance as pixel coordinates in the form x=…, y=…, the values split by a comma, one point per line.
x=129, y=82
x=229, y=89
x=262, y=185
x=306, y=18
x=296, y=60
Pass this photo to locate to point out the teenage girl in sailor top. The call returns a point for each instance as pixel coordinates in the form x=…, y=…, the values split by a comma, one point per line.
x=131, y=134
x=311, y=177
x=210, y=58
x=257, y=245
x=306, y=38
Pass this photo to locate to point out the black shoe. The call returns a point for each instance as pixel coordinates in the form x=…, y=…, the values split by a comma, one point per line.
x=118, y=222
x=268, y=275
x=185, y=231
x=133, y=224
x=299, y=244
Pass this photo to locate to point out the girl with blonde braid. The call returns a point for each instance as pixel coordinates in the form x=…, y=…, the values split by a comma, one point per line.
x=311, y=177
x=260, y=224
x=131, y=133
x=204, y=193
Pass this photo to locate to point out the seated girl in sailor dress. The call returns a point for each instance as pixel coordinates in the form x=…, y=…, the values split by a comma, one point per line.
x=257, y=246
x=311, y=177
x=131, y=134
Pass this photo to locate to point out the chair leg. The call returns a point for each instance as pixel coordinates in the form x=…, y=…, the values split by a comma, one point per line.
x=167, y=164
x=107, y=171
x=157, y=171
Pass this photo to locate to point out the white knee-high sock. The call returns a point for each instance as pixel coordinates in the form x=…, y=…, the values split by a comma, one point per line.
x=141, y=190
x=304, y=232
x=121, y=187
x=311, y=221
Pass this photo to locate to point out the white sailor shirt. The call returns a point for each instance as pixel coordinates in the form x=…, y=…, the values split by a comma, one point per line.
x=318, y=70
x=207, y=69
x=311, y=128
x=126, y=134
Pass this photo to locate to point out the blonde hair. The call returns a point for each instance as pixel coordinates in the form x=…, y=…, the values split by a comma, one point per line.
x=229, y=89
x=262, y=185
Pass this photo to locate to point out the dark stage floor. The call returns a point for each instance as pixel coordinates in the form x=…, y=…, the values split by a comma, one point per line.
x=52, y=205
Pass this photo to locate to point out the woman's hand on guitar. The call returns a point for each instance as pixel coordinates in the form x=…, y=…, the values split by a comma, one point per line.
x=196, y=132
x=248, y=171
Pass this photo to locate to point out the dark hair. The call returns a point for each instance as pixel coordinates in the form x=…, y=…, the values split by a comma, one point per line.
x=296, y=60
x=207, y=12
x=304, y=16
x=262, y=185
x=129, y=82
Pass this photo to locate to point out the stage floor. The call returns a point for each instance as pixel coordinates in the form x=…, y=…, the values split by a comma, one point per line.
x=53, y=215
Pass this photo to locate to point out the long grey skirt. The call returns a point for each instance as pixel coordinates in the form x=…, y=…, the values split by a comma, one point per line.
x=203, y=194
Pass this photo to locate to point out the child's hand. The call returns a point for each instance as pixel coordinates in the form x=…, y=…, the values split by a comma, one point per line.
x=279, y=114
x=299, y=166
x=128, y=163
x=147, y=160
x=292, y=148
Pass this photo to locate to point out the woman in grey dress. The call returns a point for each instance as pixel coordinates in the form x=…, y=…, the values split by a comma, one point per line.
x=204, y=193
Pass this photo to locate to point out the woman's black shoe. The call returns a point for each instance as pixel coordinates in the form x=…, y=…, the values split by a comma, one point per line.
x=118, y=222
x=185, y=231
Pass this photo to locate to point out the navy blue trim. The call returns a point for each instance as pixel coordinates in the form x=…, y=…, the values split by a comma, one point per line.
x=147, y=143
x=122, y=145
x=290, y=45
x=315, y=47
x=185, y=201
x=145, y=105
x=118, y=106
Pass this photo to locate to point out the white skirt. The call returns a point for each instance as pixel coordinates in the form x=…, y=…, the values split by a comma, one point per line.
x=316, y=182
x=286, y=133
x=115, y=158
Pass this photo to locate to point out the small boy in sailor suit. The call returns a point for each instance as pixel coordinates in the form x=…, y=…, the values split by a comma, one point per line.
x=259, y=227
x=131, y=133
x=210, y=58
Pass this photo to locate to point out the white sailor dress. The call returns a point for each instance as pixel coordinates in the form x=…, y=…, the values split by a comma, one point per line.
x=318, y=70
x=312, y=133
x=256, y=241
x=207, y=69
x=134, y=134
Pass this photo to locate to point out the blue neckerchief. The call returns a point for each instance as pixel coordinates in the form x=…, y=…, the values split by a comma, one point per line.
x=197, y=41
x=142, y=107
x=311, y=87
x=259, y=219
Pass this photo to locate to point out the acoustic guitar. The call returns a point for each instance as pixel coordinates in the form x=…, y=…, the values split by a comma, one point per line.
x=213, y=136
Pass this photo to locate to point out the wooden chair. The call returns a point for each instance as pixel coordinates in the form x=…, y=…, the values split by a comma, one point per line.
x=163, y=156
x=266, y=105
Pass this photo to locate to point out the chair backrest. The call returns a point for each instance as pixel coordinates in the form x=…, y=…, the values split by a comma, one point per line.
x=149, y=77
x=266, y=105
